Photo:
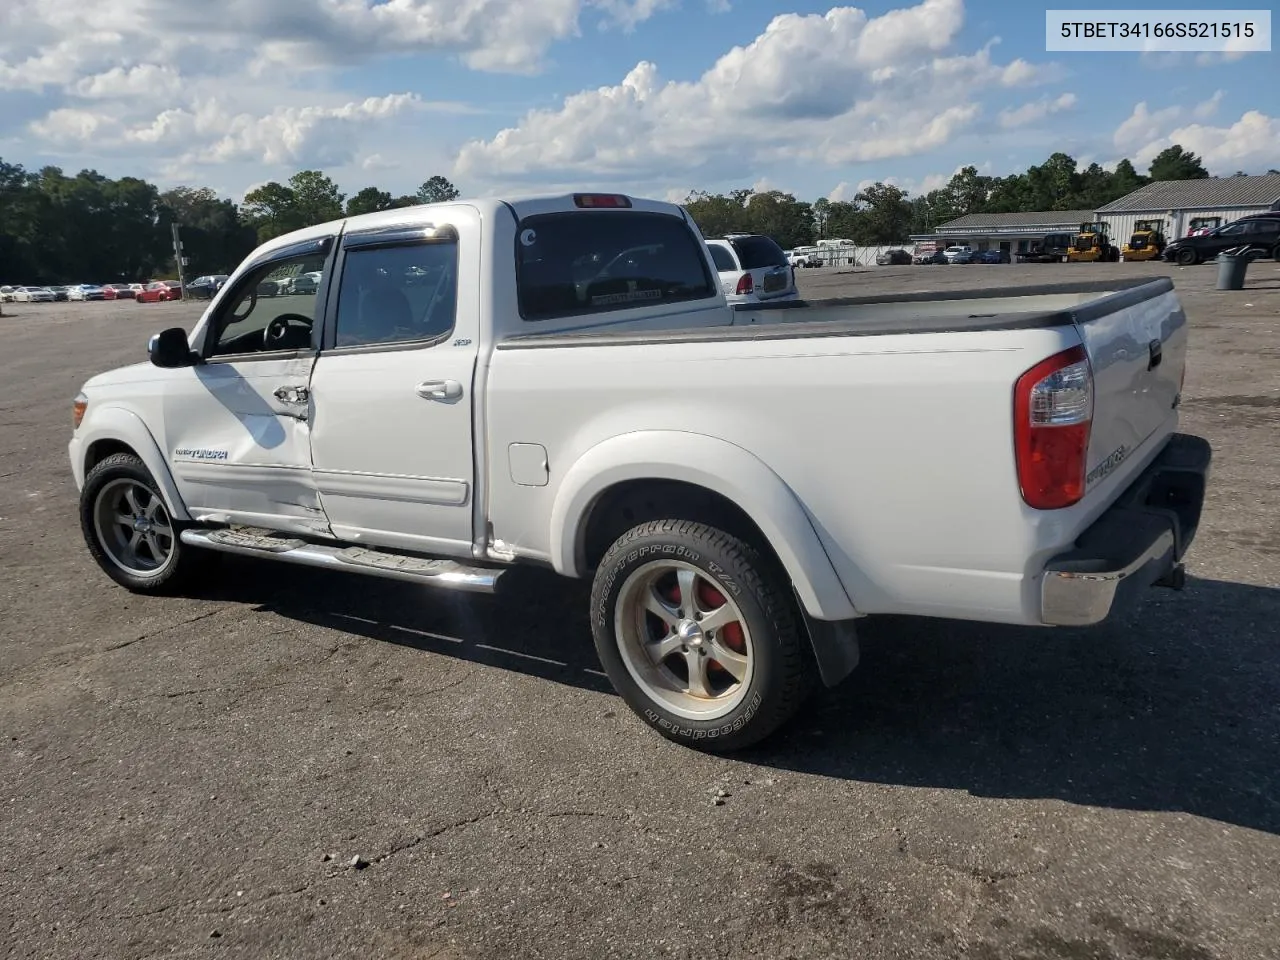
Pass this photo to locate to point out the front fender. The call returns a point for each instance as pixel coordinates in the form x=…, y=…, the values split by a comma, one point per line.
x=121, y=425
x=719, y=466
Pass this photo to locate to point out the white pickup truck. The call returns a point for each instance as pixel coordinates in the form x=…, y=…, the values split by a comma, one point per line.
x=475, y=385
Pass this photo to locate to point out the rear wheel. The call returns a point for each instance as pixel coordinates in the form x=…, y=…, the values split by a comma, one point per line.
x=699, y=635
x=128, y=529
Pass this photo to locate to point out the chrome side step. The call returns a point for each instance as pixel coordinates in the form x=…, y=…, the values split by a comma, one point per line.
x=445, y=574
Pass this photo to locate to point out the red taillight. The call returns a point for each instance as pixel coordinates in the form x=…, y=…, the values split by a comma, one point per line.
x=1052, y=415
x=745, y=285
x=614, y=200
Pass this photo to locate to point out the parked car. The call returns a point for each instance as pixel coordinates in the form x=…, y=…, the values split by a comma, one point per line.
x=960, y=254
x=753, y=268
x=158, y=292
x=118, y=291
x=6, y=294
x=204, y=288
x=33, y=295
x=86, y=291
x=994, y=256
x=60, y=293
x=1260, y=234
x=612, y=417
x=893, y=258
x=804, y=259
x=303, y=284
x=938, y=256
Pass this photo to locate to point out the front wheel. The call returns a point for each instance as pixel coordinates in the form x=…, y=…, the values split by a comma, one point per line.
x=128, y=529
x=1186, y=258
x=699, y=635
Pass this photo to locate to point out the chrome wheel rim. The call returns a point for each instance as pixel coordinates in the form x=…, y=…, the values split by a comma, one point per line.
x=133, y=528
x=683, y=640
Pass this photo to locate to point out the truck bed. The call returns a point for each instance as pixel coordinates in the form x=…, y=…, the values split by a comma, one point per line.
x=967, y=311
x=898, y=445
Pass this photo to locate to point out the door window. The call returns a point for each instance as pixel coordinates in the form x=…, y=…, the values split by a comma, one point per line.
x=406, y=293
x=271, y=309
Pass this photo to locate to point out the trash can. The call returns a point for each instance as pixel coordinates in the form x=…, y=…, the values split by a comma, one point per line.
x=1231, y=270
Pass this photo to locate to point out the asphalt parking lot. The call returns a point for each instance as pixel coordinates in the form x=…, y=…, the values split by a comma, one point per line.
x=192, y=777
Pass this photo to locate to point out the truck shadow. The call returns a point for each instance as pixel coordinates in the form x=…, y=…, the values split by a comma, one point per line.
x=1174, y=708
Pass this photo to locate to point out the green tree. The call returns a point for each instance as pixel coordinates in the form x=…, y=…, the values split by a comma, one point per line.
x=316, y=197
x=781, y=216
x=369, y=200
x=821, y=210
x=716, y=214
x=272, y=210
x=1174, y=163
x=437, y=189
x=886, y=214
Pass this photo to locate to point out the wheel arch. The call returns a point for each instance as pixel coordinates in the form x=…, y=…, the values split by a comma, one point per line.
x=111, y=430
x=693, y=470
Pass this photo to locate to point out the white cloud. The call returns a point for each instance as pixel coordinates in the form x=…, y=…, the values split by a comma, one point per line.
x=628, y=13
x=1206, y=109
x=211, y=133
x=1146, y=132
x=842, y=192
x=1249, y=144
x=1143, y=125
x=376, y=161
x=1036, y=110
x=833, y=88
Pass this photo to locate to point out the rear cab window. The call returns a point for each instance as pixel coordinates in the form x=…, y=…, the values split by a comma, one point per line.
x=758, y=252
x=579, y=263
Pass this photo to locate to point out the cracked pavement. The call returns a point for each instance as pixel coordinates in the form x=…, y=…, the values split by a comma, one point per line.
x=192, y=777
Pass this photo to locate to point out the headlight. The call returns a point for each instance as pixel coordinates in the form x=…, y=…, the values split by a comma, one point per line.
x=78, y=406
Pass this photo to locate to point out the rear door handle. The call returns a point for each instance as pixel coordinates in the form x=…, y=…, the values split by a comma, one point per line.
x=439, y=390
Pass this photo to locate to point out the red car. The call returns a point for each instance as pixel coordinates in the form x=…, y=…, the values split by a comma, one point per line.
x=159, y=292
x=117, y=291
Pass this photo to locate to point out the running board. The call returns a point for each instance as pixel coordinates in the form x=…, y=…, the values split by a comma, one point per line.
x=444, y=574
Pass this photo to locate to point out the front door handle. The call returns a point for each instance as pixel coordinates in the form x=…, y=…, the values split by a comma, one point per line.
x=440, y=390
x=295, y=395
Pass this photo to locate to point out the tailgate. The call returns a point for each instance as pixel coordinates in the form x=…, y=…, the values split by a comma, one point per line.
x=1137, y=347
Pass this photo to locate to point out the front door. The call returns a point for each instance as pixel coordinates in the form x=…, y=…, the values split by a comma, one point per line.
x=237, y=426
x=392, y=442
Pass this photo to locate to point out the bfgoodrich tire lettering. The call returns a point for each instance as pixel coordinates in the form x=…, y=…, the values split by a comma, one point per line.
x=699, y=635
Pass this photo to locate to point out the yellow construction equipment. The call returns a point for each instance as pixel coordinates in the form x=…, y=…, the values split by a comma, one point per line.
x=1092, y=245
x=1147, y=242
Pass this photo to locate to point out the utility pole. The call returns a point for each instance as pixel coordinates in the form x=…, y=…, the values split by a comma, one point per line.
x=179, y=259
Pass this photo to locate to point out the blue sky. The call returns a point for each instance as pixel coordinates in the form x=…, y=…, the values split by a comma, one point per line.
x=652, y=96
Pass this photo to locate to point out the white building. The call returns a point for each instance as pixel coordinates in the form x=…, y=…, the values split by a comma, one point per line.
x=1186, y=205
x=1011, y=232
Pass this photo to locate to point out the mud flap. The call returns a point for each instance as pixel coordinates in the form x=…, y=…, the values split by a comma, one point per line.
x=835, y=646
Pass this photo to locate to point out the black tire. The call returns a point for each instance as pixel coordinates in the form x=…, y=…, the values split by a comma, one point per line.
x=783, y=670
x=1186, y=258
x=121, y=471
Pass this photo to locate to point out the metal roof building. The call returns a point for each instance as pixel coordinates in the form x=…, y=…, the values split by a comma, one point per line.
x=1008, y=231
x=1186, y=205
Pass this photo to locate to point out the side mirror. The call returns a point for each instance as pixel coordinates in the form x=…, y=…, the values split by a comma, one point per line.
x=169, y=348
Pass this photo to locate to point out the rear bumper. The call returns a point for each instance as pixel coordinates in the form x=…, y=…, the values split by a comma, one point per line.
x=1138, y=542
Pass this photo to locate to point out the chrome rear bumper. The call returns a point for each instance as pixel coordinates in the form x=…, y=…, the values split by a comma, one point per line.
x=1138, y=543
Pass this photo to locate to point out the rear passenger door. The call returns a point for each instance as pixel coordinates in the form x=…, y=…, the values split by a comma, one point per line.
x=391, y=440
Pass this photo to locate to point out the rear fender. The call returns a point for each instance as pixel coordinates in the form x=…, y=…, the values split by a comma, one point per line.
x=716, y=465
x=121, y=425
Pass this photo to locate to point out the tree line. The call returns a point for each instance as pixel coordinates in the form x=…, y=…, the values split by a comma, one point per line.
x=56, y=228
x=883, y=213
x=89, y=228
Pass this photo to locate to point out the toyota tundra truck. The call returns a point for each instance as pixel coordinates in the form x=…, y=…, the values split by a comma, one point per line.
x=473, y=386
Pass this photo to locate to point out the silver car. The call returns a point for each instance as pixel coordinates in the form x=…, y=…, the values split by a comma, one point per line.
x=33, y=295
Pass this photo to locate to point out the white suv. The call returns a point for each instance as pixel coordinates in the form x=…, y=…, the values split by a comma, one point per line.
x=753, y=269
